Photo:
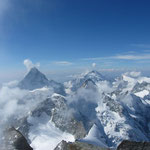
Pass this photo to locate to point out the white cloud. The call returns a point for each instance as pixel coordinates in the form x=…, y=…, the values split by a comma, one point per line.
x=17, y=103
x=132, y=57
x=95, y=58
x=93, y=65
x=9, y=98
x=133, y=74
x=11, y=84
x=28, y=63
x=66, y=63
x=123, y=57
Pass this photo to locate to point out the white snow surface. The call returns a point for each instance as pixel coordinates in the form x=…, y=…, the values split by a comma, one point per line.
x=44, y=135
x=142, y=94
x=94, y=137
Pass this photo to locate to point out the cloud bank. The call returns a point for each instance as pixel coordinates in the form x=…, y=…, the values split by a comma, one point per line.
x=16, y=103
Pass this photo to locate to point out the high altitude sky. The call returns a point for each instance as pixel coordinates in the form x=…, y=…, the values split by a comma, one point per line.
x=65, y=34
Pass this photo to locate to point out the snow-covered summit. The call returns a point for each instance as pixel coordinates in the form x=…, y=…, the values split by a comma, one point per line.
x=89, y=84
x=82, y=79
x=36, y=80
x=33, y=80
x=94, y=75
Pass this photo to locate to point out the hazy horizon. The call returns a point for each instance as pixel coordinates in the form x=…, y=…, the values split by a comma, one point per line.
x=64, y=36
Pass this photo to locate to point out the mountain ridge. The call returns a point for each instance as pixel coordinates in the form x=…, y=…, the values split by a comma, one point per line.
x=97, y=111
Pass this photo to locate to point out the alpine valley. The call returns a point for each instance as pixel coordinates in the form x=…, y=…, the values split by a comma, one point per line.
x=89, y=112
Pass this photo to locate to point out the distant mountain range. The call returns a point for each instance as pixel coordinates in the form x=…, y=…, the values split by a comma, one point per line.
x=88, y=109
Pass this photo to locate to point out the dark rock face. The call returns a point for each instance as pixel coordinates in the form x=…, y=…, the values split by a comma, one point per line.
x=14, y=140
x=65, y=120
x=77, y=146
x=62, y=146
x=113, y=105
x=131, y=145
x=140, y=86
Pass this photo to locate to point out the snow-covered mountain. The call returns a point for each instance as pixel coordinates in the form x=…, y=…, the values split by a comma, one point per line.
x=35, y=80
x=93, y=110
x=93, y=76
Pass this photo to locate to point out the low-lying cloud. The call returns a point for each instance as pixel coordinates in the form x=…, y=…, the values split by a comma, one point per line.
x=133, y=74
x=17, y=103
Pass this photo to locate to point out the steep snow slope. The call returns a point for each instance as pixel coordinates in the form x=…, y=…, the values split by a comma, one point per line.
x=44, y=135
x=95, y=137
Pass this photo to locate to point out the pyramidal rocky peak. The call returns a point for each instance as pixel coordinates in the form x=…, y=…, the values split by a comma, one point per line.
x=33, y=80
x=36, y=80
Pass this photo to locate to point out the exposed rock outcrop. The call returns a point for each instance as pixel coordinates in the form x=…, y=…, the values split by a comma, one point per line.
x=77, y=146
x=131, y=145
x=14, y=140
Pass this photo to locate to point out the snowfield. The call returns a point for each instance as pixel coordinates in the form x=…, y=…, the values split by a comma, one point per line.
x=44, y=135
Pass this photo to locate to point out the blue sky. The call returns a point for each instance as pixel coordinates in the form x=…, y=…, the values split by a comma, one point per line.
x=67, y=34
